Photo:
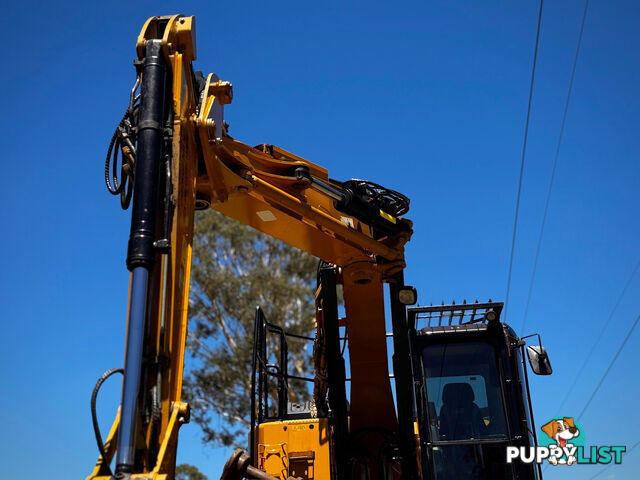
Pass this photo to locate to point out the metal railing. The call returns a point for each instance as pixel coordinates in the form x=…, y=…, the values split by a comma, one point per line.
x=262, y=371
x=454, y=314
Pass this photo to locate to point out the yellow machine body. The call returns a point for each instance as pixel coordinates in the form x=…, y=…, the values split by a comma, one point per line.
x=295, y=448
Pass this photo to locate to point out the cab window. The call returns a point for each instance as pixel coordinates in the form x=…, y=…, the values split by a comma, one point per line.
x=464, y=400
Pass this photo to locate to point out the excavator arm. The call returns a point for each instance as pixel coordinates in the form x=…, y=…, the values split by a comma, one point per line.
x=178, y=157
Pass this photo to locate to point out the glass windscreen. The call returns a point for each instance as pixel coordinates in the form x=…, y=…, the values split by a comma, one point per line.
x=464, y=401
x=474, y=462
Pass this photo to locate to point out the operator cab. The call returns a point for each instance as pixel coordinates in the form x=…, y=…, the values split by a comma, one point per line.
x=472, y=394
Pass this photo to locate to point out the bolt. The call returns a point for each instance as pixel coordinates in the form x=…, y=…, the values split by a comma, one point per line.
x=238, y=467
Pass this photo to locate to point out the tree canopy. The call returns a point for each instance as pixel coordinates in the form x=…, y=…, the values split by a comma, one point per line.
x=189, y=472
x=234, y=269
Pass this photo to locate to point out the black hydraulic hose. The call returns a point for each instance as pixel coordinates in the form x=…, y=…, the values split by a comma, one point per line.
x=156, y=414
x=116, y=188
x=94, y=415
x=125, y=188
x=124, y=136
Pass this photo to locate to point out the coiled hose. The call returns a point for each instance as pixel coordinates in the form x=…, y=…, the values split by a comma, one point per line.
x=120, y=141
x=94, y=415
x=124, y=139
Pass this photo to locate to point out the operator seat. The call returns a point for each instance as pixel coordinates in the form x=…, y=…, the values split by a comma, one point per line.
x=460, y=417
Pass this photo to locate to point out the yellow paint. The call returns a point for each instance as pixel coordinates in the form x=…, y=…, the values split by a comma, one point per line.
x=386, y=216
x=295, y=448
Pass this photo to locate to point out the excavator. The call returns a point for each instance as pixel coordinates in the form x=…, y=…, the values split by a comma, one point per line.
x=458, y=394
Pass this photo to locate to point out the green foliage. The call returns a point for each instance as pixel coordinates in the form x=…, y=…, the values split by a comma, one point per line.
x=189, y=472
x=236, y=268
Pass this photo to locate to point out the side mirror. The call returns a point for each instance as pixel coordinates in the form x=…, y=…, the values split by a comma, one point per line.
x=539, y=360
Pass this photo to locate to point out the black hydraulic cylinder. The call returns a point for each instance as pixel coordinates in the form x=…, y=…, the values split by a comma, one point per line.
x=351, y=203
x=149, y=153
x=140, y=255
x=404, y=381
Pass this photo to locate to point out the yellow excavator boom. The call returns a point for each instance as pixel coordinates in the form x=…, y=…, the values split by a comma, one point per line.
x=184, y=156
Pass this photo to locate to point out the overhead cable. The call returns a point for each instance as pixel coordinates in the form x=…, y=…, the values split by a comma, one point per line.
x=524, y=154
x=604, y=328
x=613, y=361
x=612, y=464
x=555, y=163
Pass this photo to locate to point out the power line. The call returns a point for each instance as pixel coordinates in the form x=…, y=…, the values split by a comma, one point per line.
x=600, y=335
x=524, y=153
x=615, y=357
x=612, y=464
x=604, y=376
x=555, y=162
x=608, y=466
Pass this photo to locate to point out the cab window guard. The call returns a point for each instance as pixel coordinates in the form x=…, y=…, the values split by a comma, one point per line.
x=454, y=314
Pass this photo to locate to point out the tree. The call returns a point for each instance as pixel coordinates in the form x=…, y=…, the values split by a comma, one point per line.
x=234, y=269
x=189, y=472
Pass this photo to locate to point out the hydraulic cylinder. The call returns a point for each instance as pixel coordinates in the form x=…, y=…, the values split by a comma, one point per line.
x=141, y=254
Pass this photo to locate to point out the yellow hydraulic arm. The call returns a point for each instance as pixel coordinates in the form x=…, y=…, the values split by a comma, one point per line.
x=176, y=142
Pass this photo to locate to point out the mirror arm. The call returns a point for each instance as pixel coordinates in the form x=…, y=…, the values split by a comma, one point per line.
x=533, y=335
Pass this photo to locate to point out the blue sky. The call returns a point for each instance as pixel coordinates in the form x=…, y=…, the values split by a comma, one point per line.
x=428, y=98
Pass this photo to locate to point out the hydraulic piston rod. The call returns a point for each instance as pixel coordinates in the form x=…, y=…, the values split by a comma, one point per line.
x=140, y=255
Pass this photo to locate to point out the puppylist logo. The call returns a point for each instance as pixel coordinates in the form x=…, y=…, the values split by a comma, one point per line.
x=563, y=443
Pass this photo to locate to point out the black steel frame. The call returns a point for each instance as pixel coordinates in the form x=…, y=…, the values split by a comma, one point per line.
x=261, y=370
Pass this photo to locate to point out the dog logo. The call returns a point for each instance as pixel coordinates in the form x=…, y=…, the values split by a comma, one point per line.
x=563, y=443
x=562, y=431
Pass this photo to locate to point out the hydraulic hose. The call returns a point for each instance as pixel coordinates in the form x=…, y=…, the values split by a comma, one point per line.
x=94, y=415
